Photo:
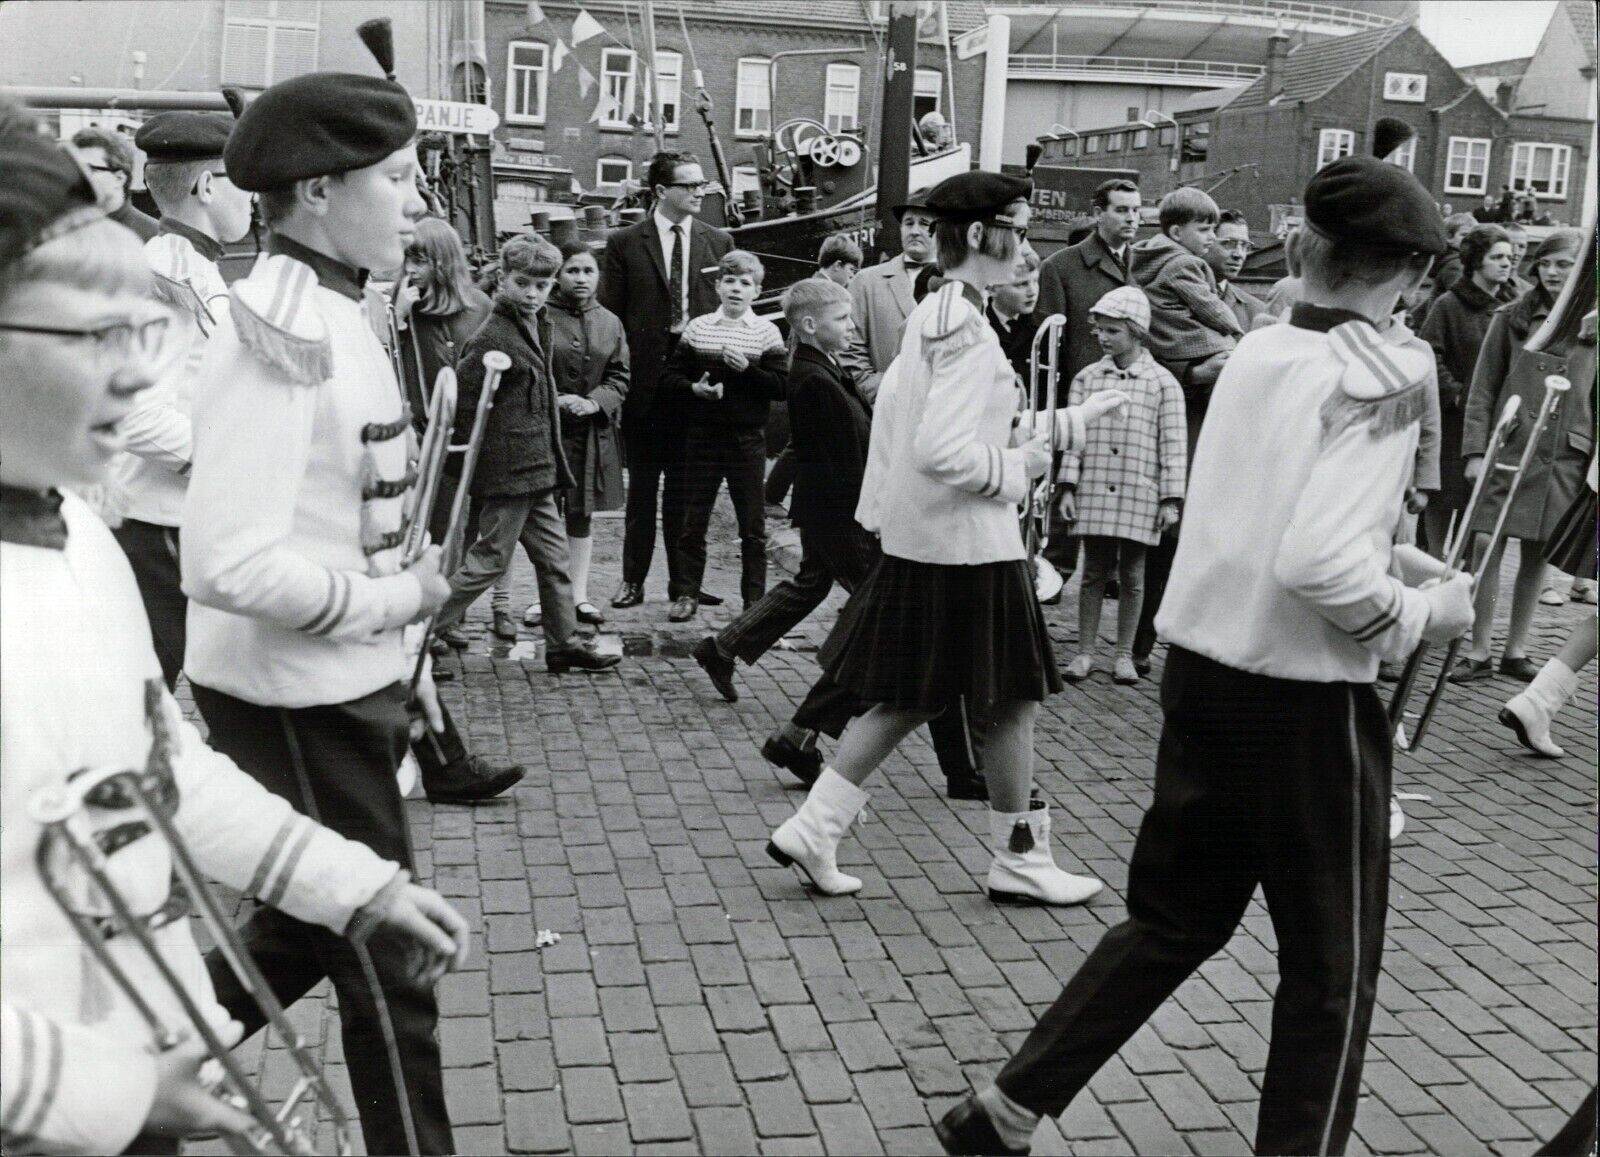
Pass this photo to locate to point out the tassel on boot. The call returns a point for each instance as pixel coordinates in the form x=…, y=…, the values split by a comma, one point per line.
x=1529, y=714
x=1024, y=868
x=809, y=840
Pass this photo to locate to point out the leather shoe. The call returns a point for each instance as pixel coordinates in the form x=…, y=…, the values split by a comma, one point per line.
x=682, y=610
x=481, y=781
x=707, y=599
x=628, y=595
x=1142, y=664
x=1470, y=670
x=717, y=666
x=579, y=657
x=455, y=637
x=805, y=764
x=589, y=613
x=1521, y=668
x=504, y=626
x=966, y=787
x=966, y=1130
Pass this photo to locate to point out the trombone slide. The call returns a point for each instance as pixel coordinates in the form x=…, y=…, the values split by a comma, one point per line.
x=1044, y=370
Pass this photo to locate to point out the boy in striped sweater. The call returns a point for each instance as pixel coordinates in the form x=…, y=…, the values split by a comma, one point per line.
x=728, y=369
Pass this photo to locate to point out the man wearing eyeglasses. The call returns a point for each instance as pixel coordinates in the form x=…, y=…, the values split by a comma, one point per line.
x=656, y=275
x=1226, y=258
x=108, y=155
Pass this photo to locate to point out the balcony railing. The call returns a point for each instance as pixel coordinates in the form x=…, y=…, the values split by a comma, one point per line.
x=1139, y=68
x=1290, y=11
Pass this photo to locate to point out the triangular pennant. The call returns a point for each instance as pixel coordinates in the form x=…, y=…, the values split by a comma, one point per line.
x=559, y=57
x=585, y=81
x=604, y=109
x=585, y=27
x=535, y=13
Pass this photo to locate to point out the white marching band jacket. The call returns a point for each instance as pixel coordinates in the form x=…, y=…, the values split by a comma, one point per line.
x=1297, y=486
x=83, y=692
x=945, y=470
x=291, y=533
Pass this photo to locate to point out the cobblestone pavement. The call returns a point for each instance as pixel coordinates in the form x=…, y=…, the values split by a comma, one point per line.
x=700, y=1001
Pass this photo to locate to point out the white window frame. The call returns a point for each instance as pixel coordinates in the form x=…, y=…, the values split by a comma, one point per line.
x=1522, y=163
x=920, y=86
x=1116, y=142
x=841, y=101
x=517, y=84
x=743, y=89
x=1333, y=144
x=1405, y=156
x=743, y=177
x=669, y=84
x=264, y=15
x=1461, y=149
x=599, y=169
x=1141, y=138
x=1091, y=146
x=617, y=117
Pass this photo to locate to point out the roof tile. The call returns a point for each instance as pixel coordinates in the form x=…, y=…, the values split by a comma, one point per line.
x=1312, y=69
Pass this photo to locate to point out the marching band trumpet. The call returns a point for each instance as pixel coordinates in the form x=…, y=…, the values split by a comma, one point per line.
x=74, y=864
x=1044, y=370
x=495, y=364
x=1499, y=443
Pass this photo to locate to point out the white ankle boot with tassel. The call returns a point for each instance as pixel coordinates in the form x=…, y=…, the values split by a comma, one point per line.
x=1024, y=869
x=809, y=840
x=1529, y=714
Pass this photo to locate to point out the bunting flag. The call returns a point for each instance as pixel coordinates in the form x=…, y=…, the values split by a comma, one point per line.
x=535, y=13
x=584, y=27
x=585, y=81
x=605, y=109
x=559, y=56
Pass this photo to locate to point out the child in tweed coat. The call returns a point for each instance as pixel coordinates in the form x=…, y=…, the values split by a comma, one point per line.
x=1125, y=486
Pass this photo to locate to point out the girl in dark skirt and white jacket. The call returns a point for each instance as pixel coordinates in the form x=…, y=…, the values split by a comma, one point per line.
x=950, y=610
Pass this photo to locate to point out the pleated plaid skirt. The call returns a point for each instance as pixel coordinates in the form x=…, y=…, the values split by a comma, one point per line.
x=921, y=635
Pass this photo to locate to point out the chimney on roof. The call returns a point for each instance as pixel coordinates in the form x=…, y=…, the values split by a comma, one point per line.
x=1277, y=53
x=1504, y=93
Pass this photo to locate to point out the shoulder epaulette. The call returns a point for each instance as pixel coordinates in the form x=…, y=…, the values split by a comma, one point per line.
x=272, y=314
x=172, y=260
x=1383, y=384
x=951, y=323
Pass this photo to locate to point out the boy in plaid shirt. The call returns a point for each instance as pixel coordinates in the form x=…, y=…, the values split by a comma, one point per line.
x=727, y=370
x=1124, y=488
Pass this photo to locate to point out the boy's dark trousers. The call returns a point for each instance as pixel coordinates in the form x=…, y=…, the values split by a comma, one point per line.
x=152, y=552
x=712, y=455
x=346, y=756
x=841, y=554
x=1259, y=781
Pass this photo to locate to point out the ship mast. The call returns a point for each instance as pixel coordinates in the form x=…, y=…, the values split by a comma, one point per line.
x=894, y=133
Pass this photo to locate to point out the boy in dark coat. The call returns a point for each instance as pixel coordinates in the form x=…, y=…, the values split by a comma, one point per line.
x=521, y=464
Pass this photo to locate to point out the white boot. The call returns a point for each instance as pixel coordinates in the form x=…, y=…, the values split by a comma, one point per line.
x=809, y=840
x=1024, y=869
x=1529, y=713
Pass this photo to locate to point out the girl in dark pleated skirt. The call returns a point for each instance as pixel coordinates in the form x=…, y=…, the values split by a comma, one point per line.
x=949, y=612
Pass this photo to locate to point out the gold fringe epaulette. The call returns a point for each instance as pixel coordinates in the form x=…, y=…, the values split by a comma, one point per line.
x=183, y=297
x=1384, y=386
x=1381, y=416
x=272, y=319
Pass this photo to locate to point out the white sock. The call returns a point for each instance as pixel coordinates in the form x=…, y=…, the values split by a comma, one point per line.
x=579, y=552
x=1014, y=1123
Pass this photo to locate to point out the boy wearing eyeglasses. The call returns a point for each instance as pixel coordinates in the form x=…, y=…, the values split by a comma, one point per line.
x=81, y=693
x=292, y=546
x=201, y=210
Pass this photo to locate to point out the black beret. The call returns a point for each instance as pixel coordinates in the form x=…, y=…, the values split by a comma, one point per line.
x=184, y=136
x=1374, y=204
x=45, y=192
x=317, y=124
x=977, y=194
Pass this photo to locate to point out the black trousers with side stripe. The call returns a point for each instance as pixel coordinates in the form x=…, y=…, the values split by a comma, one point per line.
x=1259, y=781
x=347, y=755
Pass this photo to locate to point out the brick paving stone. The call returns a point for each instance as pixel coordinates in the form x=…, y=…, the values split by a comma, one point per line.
x=580, y=1041
x=535, y=1123
x=657, y=1112
x=527, y=1066
x=779, y=1110
x=755, y=1056
x=688, y=1029
x=591, y=1095
x=862, y=1045
x=846, y=1129
x=891, y=1099
x=473, y=1096
x=640, y=1056
x=823, y=1077
x=707, y=1079
x=724, y=1130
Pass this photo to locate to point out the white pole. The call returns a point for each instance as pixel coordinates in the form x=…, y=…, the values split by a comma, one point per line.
x=995, y=66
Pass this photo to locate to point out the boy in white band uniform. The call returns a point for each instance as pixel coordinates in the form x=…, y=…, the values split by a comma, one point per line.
x=292, y=545
x=1275, y=755
x=80, y=692
x=201, y=210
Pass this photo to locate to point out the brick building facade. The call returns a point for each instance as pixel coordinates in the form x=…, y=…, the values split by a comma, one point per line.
x=555, y=141
x=1258, y=145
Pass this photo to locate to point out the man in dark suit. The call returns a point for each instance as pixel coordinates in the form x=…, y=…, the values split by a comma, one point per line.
x=1071, y=280
x=655, y=277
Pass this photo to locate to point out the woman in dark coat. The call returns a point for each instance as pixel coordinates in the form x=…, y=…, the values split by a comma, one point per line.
x=589, y=360
x=1555, y=473
x=1455, y=328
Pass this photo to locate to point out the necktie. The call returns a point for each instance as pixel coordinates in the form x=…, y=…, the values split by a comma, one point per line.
x=675, y=276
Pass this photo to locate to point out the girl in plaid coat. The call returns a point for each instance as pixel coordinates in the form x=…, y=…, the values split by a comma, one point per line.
x=1124, y=488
